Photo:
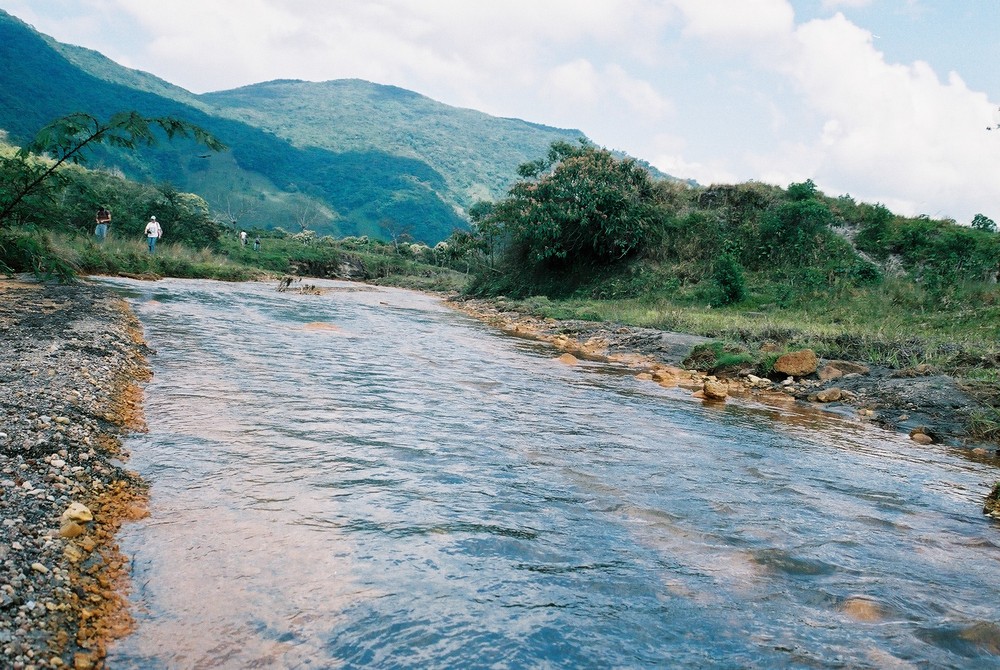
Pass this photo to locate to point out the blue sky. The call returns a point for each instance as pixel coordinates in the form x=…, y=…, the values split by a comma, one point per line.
x=885, y=100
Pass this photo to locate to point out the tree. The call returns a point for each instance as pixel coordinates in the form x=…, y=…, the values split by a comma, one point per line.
x=308, y=214
x=580, y=206
x=398, y=232
x=65, y=141
x=802, y=191
x=984, y=223
x=487, y=228
x=793, y=232
x=187, y=216
x=875, y=229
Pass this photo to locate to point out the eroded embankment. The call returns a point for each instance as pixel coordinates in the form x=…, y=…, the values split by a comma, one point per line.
x=71, y=368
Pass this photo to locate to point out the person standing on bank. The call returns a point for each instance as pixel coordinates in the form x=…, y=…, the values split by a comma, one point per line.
x=153, y=233
x=103, y=222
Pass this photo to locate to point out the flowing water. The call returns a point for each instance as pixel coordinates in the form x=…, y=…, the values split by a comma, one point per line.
x=369, y=478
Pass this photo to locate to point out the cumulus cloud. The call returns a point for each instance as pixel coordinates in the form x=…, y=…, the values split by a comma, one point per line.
x=898, y=133
x=894, y=130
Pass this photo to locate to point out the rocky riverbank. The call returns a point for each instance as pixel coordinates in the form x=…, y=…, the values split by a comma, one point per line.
x=927, y=405
x=71, y=364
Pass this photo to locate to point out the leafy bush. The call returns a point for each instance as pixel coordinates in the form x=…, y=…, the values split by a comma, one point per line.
x=794, y=231
x=730, y=281
x=874, y=229
x=716, y=357
x=984, y=223
x=591, y=209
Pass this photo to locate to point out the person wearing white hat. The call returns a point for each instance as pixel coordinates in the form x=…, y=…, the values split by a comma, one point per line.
x=153, y=233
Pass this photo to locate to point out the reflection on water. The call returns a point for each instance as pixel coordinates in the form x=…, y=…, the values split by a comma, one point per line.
x=370, y=479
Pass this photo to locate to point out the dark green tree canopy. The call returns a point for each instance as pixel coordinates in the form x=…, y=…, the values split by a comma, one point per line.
x=581, y=205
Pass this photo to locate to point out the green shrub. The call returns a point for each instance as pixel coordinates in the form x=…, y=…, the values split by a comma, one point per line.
x=729, y=279
x=716, y=357
x=28, y=249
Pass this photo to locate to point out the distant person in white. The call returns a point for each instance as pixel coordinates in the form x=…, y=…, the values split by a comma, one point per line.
x=153, y=232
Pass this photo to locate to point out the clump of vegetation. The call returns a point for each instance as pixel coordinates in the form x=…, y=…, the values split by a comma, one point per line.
x=719, y=357
x=48, y=203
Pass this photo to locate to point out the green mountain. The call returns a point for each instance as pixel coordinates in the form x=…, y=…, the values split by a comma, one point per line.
x=477, y=154
x=343, y=157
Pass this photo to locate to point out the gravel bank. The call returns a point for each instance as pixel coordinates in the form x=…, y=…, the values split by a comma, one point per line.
x=71, y=364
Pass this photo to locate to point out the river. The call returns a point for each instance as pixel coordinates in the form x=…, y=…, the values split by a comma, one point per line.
x=370, y=478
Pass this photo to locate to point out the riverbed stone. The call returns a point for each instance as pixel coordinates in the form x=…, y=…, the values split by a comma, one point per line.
x=77, y=512
x=71, y=529
x=992, y=504
x=862, y=609
x=848, y=367
x=715, y=390
x=829, y=395
x=73, y=357
x=828, y=372
x=568, y=359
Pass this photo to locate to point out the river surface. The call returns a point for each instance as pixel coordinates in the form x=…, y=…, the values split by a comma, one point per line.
x=369, y=478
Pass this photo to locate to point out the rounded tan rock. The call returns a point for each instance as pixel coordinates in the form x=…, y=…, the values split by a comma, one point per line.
x=862, y=609
x=715, y=390
x=71, y=529
x=797, y=363
x=830, y=395
x=568, y=359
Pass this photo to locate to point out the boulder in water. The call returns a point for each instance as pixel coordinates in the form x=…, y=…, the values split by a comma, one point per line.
x=568, y=359
x=714, y=390
x=862, y=609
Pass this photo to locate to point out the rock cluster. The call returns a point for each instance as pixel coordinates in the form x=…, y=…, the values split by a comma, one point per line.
x=69, y=372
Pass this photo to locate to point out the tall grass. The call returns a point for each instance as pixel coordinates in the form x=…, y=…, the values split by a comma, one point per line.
x=125, y=256
x=866, y=325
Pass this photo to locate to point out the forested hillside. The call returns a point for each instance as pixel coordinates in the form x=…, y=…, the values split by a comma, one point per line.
x=340, y=158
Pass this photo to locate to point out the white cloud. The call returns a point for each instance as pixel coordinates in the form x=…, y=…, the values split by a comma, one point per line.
x=574, y=83
x=894, y=131
x=714, y=172
x=737, y=23
x=640, y=97
x=835, y=4
x=580, y=84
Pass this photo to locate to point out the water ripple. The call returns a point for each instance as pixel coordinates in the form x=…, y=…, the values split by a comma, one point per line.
x=369, y=478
